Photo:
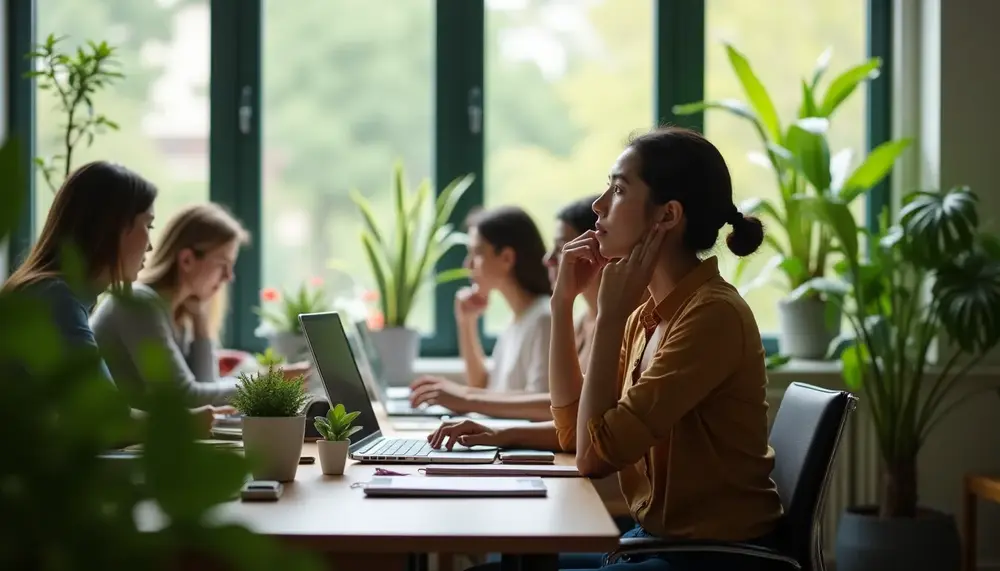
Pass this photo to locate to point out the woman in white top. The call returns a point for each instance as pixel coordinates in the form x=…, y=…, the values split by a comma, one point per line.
x=505, y=254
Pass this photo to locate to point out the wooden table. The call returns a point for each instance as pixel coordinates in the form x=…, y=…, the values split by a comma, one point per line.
x=974, y=488
x=325, y=514
x=417, y=427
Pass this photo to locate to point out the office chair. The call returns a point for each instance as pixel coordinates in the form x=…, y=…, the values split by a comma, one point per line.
x=805, y=437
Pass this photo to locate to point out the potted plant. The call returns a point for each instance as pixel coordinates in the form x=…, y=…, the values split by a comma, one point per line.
x=403, y=262
x=798, y=154
x=280, y=325
x=273, y=422
x=894, y=322
x=336, y=430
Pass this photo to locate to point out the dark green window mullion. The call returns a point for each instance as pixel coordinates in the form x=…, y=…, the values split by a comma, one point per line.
x=235, y=148
x=20, y=39
x=459, y=120
x=680, y=71
x=880, y=38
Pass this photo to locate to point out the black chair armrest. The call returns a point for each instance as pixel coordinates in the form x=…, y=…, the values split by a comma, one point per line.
x=650, y=545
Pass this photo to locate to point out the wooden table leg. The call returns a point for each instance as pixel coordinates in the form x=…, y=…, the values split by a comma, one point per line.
x=969, y=519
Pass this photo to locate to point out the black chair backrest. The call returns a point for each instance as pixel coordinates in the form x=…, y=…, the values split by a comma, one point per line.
x=805, y=437
x=315, y=407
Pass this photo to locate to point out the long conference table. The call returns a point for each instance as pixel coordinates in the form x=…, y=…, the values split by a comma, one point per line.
x=328, y=516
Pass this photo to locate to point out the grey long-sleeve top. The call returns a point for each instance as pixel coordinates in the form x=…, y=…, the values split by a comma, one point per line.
x=123, y=329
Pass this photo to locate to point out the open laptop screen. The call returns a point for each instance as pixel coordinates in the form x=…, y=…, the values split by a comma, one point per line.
x=371, y=351
x=339, y=373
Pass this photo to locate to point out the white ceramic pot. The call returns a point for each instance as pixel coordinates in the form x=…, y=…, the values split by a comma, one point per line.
x=805, y=333
x=273, y=445
x=398, y=348
x=291, y=346
x=333, y=456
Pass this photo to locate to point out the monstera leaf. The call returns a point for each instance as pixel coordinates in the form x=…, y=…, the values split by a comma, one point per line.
x=967, y=292
x=939, y=226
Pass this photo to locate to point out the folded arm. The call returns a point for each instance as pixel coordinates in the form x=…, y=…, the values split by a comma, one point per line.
x=143, y=330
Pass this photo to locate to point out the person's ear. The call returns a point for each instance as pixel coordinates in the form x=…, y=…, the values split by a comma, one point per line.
x=508, y=257
x=671, y=214
x=186, y=259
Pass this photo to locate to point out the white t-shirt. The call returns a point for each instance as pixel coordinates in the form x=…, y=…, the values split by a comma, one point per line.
x=521, y=354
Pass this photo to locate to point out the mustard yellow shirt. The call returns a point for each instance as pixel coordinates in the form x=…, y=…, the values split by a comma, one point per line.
x=689, y=433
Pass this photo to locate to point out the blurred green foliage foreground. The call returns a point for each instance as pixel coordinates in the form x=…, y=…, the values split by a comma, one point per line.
x=62, y=505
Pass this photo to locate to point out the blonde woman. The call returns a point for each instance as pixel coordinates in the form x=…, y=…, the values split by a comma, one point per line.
x=187, y=276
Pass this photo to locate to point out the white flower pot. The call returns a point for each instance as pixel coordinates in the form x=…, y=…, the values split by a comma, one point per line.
x=805, y=333
x=398, y=348
x=273, y=445
x=291, y=346
x=333, y=456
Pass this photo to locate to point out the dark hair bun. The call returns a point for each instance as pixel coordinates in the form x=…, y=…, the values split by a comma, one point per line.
x=746, y=237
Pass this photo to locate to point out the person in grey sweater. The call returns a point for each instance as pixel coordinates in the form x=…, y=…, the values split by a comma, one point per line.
x=184, y=285
x=104, y=212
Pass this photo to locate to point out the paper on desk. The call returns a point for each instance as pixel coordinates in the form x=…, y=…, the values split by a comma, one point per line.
x=540, y=470
x=387, y=486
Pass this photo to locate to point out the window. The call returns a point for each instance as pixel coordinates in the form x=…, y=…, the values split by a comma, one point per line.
x=794, y=33
x=348, y=89
x=553, y=69
x=161, y=105
x=534, y=97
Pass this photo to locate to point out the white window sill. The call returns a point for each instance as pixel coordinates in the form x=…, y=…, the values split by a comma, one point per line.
x=819, y=373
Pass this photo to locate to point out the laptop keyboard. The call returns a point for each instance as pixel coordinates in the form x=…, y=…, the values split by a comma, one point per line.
x=412, y=448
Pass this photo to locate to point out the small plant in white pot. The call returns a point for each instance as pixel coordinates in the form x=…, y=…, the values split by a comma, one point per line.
x=336, y=430
x=273, y=422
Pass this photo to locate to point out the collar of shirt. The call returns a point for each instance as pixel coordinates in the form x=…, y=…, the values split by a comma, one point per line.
x=652, y=313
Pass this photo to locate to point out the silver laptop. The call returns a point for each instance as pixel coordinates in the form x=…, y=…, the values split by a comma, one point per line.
x=335, y=363
x=370, y=363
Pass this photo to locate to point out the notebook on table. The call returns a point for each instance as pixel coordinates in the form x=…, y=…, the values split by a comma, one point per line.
x=343, y=382
x=502, y=470
x=418, y=487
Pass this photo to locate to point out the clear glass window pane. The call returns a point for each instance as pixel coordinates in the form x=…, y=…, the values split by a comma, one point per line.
x=567, y=81
x=348, y=90
x=793, y=33
x=161, y=105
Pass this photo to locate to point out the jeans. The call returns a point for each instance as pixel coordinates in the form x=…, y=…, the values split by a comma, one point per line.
x=656, y=561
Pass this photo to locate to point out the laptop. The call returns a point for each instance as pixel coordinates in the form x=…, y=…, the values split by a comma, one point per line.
x=370, y=364
x=338, y=370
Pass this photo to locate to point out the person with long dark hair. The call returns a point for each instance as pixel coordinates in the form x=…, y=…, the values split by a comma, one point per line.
x=505, y=255
x=101, y=218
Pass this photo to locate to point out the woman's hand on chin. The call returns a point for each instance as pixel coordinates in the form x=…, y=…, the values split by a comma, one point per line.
x=580, y=263
x=624, y=281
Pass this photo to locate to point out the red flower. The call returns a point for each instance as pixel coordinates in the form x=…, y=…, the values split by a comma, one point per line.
x=376, y=321
x=269, y=294
x=316, y=281
x=369, y=295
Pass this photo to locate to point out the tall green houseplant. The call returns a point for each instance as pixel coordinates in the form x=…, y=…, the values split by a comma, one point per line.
x=73, y=78
x=403, y=260
x=894, y=323
x=798, y=154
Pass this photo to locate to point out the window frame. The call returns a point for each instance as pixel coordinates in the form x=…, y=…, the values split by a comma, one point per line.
x=235, y=156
